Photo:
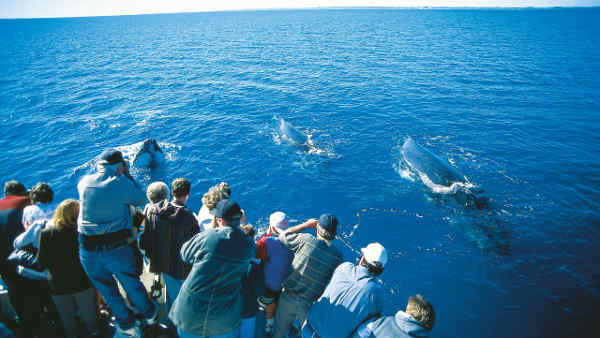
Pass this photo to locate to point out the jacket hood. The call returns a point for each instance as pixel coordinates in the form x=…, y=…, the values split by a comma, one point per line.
x=169, y=209
x=410, y=325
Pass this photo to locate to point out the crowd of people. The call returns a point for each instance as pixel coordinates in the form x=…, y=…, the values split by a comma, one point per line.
x=64, y=264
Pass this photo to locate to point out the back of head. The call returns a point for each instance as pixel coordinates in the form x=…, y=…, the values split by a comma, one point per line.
x=421, y=310
x=229, y=211
x=13, y=187
x=374, y=258
x=41, y=193
x=180, y=187
x=215, y=194
x=327, y=227
x=248, y=230
x=66, y=214
x=157, y=191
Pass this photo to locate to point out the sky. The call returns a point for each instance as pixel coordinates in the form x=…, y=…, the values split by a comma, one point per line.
x=71, y=8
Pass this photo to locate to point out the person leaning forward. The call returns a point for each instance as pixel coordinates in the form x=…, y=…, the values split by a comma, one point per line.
x=209, y=303
x=106, y=243
x=314, y=262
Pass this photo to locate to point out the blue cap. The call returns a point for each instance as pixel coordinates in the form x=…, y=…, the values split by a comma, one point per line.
x=111, y=156
x=329, y=224
x=227, y=210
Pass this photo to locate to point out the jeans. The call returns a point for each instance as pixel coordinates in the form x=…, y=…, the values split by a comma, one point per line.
x=247, y=328
x=68, y=306
x=289, y=309
x=233, y=334
x=173, y=286
x=121, y=262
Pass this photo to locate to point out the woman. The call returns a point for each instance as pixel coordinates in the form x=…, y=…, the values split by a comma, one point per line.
x=216, y=193
x=70, y=287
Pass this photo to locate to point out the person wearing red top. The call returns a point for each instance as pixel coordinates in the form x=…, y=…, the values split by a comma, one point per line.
x=11, y=212
x=277, y=259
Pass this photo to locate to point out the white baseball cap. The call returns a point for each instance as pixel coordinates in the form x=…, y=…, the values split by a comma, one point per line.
x=278, y=220
x=375, y=253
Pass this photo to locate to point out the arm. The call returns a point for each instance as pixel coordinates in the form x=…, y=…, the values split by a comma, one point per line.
x=190, y=249
x=191, y=226
x=31, y=236
x=132, y=193
x=292, y=239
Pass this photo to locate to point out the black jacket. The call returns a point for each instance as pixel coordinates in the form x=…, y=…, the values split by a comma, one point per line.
x=167, y=225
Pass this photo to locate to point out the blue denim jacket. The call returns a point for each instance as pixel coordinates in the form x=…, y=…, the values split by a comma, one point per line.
x=105, y=200
x=352, y=296
x=210, y=302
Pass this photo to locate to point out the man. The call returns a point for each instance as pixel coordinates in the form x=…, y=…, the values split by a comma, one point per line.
x=417, y=321
x=11, y=211
x=209, y=303
x=277, y=259
x=167, y=226
x=352, y=296
x=314, y=262
x=106, y=242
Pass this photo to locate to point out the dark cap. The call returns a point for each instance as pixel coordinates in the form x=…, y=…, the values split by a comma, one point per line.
x=111, y=156
x=227, y=210
x=329, y=224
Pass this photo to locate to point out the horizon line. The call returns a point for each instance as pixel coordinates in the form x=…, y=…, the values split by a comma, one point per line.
x=307, y=8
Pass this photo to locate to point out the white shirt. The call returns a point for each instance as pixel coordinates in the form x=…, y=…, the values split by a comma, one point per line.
x=36, y=212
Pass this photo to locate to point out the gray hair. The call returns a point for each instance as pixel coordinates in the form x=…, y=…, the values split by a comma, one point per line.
x=157, y=191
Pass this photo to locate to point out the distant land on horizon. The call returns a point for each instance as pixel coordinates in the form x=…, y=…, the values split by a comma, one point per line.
x=321, y=8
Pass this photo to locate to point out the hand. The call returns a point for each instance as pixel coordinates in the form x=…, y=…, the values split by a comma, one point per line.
x=243, y=218
x=312, y=223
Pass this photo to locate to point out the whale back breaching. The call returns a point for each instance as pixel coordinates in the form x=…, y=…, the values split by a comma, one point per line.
x=292, y=135
x=439, y=175
x=146, y=156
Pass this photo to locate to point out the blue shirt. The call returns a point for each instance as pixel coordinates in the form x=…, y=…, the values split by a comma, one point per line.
x=351, y=297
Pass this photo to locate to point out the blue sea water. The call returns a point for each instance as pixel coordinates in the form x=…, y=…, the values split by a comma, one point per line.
x=511, y=98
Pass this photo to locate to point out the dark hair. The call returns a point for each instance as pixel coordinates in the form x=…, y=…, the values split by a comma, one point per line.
x=324, y=233
x=42, y=193
x=180, y=187
x=374, y=269
x=13, y=187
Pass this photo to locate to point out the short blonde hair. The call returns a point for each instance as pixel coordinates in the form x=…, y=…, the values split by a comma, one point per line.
x=66, y=214
x=216, y=193
x=157, y=191
x=421, y=310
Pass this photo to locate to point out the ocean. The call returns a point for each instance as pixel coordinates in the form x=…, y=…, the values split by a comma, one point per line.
x=508, y=98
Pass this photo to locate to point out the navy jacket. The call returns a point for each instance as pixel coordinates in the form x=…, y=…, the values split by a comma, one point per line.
x=167, y=226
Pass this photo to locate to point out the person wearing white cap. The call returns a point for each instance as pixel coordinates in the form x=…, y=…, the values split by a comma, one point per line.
x=352, y=296
x=277, y=259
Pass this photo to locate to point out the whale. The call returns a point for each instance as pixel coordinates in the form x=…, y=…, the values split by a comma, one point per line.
x=147, y=155
x=440, y=176
x=292, y=135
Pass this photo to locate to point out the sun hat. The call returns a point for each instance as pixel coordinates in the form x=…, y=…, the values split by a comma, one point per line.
x=278, y=220
x=227, y=210
x=328, y=223
x=375, y=254
x=111, y=156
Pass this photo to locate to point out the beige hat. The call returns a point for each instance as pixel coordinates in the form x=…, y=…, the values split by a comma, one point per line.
x=278, y=220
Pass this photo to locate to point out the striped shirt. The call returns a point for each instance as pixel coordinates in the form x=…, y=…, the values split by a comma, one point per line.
x=312, y=267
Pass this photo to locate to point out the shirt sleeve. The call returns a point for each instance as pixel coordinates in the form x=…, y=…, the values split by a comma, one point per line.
x=294, y=241
x=133, y=194
x=190, y=249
